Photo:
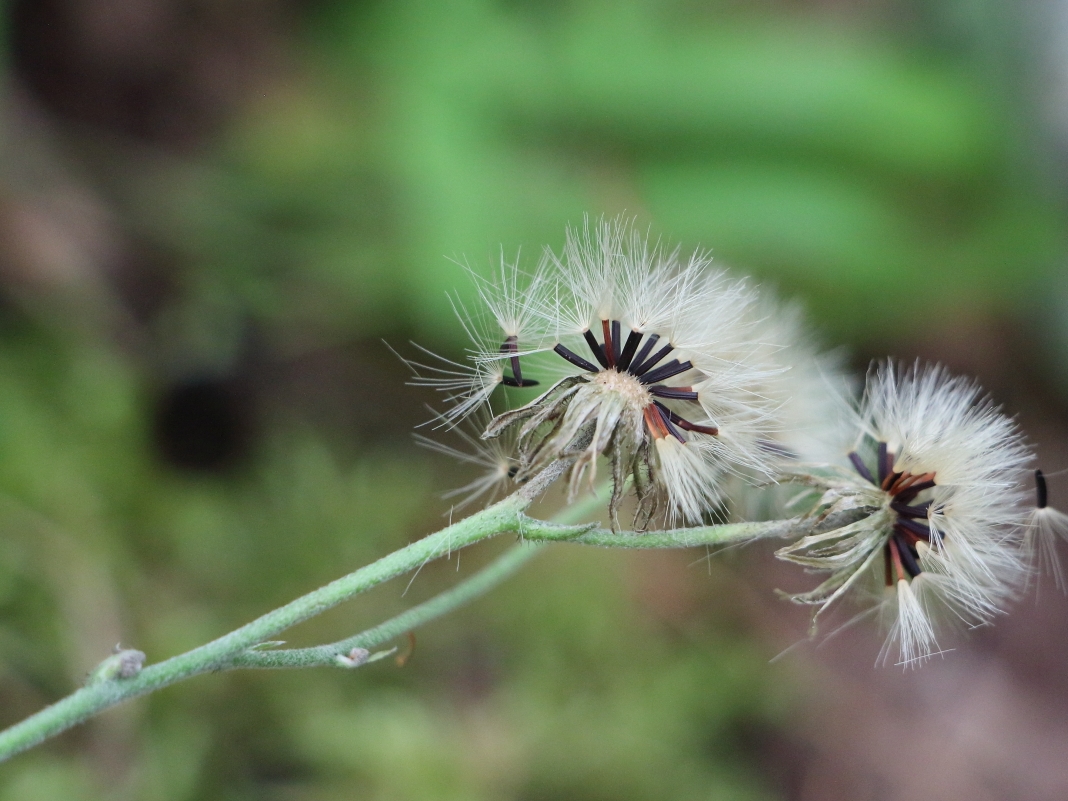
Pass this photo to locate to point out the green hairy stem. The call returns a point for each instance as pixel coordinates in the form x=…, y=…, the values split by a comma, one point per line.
x=333, y=654
x=248, y=646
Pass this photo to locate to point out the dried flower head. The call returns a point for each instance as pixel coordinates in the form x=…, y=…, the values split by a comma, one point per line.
x=938, y=469
x=656, y=368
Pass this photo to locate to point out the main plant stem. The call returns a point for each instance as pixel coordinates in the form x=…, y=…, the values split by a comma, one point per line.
x=536, y=532
x=507, y=515
x=240, y=648
x=465, y=591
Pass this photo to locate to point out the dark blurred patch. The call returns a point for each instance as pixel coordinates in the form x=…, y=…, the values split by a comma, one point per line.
x=256, y=761
x=160, y=70
x=203, y=424
x=476, y=673
x=13, y=317
x=780, y=756
x=354, y=392
x=145, y=278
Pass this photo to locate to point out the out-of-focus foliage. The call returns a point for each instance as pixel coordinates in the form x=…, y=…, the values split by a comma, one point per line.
x=882, y=182
x=842, y=165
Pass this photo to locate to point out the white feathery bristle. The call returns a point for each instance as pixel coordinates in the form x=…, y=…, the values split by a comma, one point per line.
x=511, y=305
x=1045, y=527
x=466, y=387
x=808, y=397
x=911, y=630
x=690, y=304
x=690, y=479
x=516, y=301
x=495, y=459
x=587, y=276
x=815, y=396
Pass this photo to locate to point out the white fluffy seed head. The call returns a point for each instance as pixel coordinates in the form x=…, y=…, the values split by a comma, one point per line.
x=610, y=272
x=934, y=422
x=940, y=428
x=684, y=333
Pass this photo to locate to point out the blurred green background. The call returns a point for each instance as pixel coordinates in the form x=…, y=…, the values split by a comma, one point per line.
x=211, y=214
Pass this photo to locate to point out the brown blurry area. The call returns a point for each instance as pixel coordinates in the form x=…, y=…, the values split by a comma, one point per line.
x=163, y=71
x=989, y=721
x=96, y=80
